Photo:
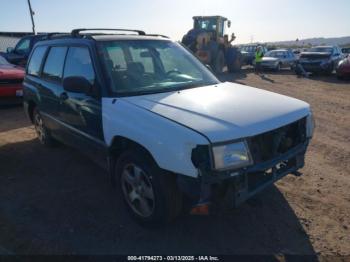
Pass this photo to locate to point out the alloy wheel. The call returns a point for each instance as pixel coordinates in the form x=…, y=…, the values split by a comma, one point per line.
x=138, y=190
x=39, y=127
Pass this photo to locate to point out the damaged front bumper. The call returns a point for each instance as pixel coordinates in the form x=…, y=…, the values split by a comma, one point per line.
x=228, y=189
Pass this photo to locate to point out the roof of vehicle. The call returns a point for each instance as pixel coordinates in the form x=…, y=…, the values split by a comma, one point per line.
x=324, y=46
x=252, y=45
x=279, y=50
x=78, y=35
x=92, y=38
x=209, y=16
x=104, y=37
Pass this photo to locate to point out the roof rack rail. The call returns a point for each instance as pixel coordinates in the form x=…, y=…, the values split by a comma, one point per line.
x=56, y=34
x=158, y=35
x=76, y=32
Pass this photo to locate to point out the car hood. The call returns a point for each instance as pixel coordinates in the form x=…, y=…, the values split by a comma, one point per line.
x=269, y=59
x=10, y=71
x=225, y=111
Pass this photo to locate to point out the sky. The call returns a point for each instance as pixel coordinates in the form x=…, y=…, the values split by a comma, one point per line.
x=252, y=20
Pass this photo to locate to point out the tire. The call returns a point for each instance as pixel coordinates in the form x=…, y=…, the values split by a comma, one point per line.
x=330, y=70
x=150, y=194
x=219, y=62
x=236, y=66
x=42, y=131
x=278, y=67
x=292, y=67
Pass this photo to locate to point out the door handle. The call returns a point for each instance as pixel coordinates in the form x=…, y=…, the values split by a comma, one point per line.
x=63, y=96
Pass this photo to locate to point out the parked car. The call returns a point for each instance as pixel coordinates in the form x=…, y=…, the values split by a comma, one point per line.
x=19, y=54
x=11, y=78
x=343, y=68
x=277, y=59
x=297, y=53
x=346, y=51
x=321, y=59
x=161, y=123
x=248, y=53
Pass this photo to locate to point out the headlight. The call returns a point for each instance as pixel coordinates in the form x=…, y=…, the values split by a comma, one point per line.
x=310, y=125
x=231, y=155
x=340, y=63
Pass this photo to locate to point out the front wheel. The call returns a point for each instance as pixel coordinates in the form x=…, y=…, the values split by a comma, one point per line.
x=278, y=67
x=219, y=62
x=150, y=194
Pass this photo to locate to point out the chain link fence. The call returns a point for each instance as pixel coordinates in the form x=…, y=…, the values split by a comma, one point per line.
x=7, y=41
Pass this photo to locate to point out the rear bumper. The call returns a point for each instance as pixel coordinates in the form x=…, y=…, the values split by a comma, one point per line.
x=229, y=189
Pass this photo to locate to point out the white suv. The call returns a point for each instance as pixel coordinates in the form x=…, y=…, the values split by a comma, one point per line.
x=166, y=128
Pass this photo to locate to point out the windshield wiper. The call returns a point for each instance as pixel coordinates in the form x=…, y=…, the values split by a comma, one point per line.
x=165, y=90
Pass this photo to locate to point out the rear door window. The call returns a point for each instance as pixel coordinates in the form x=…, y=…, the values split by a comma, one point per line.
x=36, y=60
x=53, y=68
x=79, y=63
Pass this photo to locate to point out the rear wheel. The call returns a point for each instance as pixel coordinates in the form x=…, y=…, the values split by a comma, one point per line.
x=41, y=130
x=150, y=194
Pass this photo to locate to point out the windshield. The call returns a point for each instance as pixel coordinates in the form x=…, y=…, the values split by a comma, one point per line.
x=277, y=54
x=322, y=49
x=208, y=24
x=3, y=61
x=151, y=66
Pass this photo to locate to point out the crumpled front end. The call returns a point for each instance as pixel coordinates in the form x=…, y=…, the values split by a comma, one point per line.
x=275, y=154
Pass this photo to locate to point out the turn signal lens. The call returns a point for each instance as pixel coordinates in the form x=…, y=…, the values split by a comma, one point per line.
x=202, y=210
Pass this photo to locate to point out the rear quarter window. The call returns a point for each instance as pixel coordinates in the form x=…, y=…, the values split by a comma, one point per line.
x=36, y=59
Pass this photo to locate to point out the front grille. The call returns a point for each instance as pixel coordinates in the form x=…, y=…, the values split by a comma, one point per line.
x=10, y=81
x=269, y=145
x=317, y=63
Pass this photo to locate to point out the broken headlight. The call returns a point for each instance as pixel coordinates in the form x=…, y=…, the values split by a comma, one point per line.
x=233, y=155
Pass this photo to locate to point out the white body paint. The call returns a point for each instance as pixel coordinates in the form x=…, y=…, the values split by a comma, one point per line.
x=169, y=125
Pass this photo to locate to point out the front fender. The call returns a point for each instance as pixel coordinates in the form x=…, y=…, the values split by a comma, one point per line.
x=169, y=143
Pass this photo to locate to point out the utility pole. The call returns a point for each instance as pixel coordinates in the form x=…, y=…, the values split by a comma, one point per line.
x=31, y=16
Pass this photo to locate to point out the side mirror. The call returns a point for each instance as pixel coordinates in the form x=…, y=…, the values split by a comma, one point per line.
x=10, y=49
x=77, y=84
x=228, y=23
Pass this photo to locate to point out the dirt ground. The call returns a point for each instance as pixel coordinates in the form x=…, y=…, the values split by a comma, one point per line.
x=56, y=201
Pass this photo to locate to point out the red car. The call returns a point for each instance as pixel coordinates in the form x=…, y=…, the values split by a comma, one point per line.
x=11, y=78
x=343, y=68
